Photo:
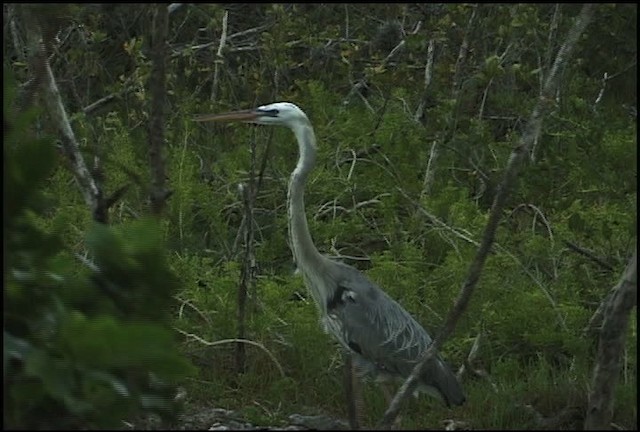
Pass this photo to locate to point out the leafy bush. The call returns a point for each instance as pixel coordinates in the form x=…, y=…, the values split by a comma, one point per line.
x=83, y=347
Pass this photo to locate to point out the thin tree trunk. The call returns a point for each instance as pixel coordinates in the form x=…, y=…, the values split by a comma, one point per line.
x=455, y=92
x=353, y=393
x=462, y=53
x=157, y=87
x=45, y=82
x=246, y=275
x=610, y=348
x=516, y=159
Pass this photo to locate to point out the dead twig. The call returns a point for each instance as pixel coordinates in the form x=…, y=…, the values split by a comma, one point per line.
x=437, y=222
x=219, y=61
x=467, y=365
x=587, y=253
x=331, y=206
x=177, y=50
x=189, y=303
x=97, y=104
x=359, y=154
x=227, y=341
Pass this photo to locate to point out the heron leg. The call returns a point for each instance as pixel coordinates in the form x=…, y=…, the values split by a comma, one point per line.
x=355, y=402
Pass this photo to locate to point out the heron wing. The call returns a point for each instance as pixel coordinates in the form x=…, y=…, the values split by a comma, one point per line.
x=379, y=328
x=376, y=327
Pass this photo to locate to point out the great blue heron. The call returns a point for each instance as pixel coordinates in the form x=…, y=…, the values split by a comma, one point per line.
x=383, y=338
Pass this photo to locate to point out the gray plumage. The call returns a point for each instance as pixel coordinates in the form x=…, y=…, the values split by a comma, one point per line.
x=384, y=339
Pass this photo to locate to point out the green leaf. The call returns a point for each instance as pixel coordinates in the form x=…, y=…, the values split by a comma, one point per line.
x=58, y=379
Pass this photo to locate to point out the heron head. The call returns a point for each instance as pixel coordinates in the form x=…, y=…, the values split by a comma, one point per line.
x=278, y=113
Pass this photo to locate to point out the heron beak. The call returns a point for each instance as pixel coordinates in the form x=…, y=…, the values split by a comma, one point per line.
x=244, y=115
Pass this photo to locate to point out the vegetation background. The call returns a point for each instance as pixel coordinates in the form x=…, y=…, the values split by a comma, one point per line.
x=416, y=107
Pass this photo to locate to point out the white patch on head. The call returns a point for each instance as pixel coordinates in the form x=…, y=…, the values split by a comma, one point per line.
x=288, y=114
x=281, y=106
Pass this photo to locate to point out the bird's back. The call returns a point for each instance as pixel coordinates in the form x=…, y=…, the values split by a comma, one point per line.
x=386, y=340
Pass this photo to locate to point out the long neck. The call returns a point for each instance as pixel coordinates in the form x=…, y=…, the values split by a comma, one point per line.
x=304, y=251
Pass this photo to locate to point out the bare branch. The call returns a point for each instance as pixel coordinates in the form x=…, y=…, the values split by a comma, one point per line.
x=346, y=21
x=88, y=187
x=53, y=101
x=513, y=167
x=484, y=99
x=587, y=253
x=605, y=77
x=248, y=31
x=360, y=154
x=186, y=302
x=462, y=53
x=428, y=73
x=176, y=52
x=244, y=48
x=437, y=222
x=219, y=57
x=393, y=52
x=226, y=341
x=610, y=347
x=595, y=322
x=357, y=89
x=331, y=206
x=429, y=172
x=467, y=366
x=97, y=104
x=428, y=68
x=115, y=196
x=127, y=87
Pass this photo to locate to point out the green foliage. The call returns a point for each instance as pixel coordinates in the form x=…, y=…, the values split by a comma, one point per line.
x=82, y=348
x=535, y=294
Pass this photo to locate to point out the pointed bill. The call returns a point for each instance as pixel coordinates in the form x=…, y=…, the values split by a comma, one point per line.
x=244, y=115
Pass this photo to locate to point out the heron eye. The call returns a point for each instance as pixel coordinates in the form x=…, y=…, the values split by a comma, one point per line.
x=270, y=113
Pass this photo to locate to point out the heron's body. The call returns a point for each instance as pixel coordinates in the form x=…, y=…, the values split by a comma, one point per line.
x=385, y=340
